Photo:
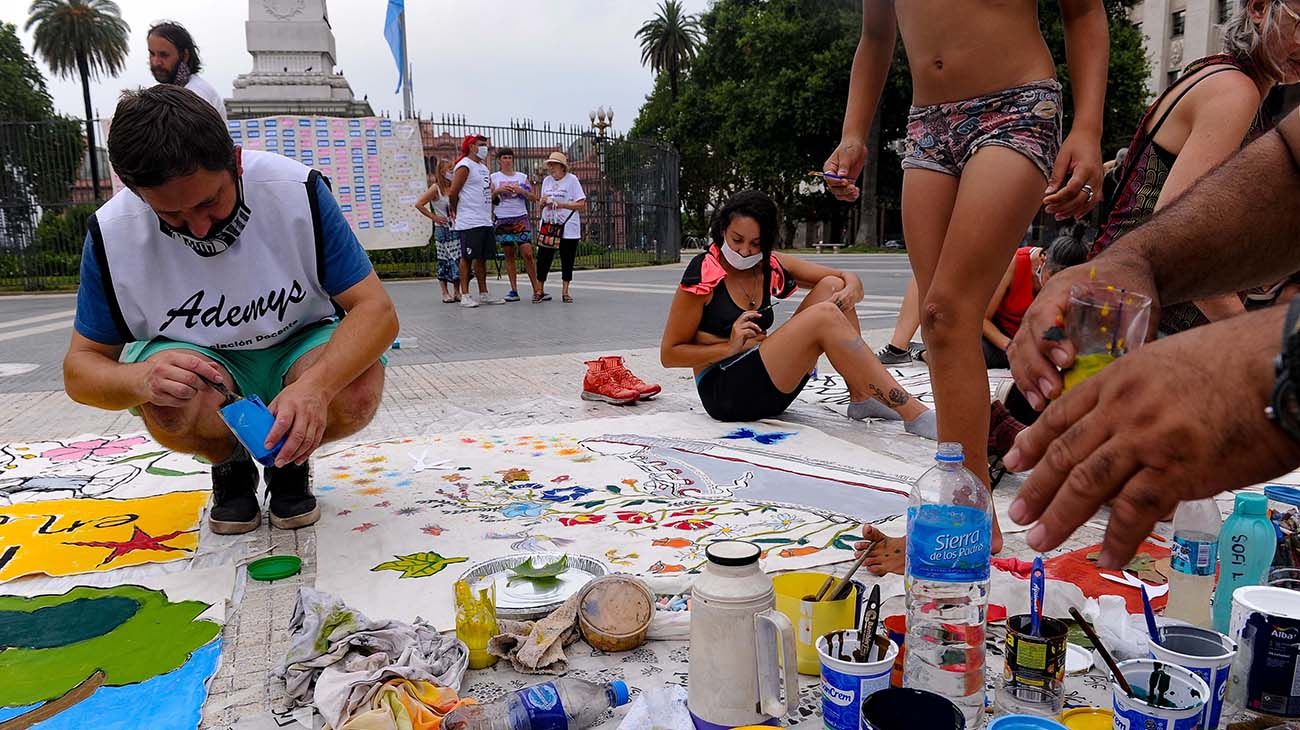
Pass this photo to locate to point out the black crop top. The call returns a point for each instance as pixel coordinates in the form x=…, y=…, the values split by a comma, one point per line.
x=704, y=276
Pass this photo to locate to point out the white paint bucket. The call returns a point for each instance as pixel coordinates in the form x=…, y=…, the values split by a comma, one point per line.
x=1266, y=674
x=846, y=684
x=1187, y=693
x=1205, y=653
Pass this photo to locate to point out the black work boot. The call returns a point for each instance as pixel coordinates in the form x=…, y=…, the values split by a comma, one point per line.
x=292, y=505
x=235, y=507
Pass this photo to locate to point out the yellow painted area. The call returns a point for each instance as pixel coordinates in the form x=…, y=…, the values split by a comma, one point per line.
x=70, y=536
x=1086, y=366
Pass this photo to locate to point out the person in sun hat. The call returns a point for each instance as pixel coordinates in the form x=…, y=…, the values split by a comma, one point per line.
x=563, y=203
x=470, y=199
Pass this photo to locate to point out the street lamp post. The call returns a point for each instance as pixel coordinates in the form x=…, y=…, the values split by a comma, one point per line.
x=601, y=120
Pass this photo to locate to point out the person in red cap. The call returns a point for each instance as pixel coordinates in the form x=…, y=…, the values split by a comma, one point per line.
x=471, y=216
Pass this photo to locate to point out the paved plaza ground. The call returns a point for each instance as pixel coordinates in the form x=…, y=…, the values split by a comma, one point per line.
x=493, y=367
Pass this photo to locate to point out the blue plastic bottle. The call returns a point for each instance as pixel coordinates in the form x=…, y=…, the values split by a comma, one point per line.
x=1246, y=546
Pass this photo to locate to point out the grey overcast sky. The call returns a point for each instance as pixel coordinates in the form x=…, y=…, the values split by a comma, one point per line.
x=489, y=60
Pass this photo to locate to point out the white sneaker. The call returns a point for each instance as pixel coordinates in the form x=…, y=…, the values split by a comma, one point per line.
x=485, y=298
x=468, y=302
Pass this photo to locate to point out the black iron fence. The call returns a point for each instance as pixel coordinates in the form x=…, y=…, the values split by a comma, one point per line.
x=632, y=215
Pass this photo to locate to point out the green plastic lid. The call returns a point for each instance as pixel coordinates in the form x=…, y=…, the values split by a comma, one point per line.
x=1250, y=503
x=274, y=567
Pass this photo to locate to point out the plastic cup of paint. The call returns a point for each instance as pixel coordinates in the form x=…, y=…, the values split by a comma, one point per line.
x=1024, y=722
x=1184, y=701
x=1266, y=624
x=902, y=708
x=1207, y=654
x=846, y=684
x=1088, y=718
x=1033, y=679
x=251, y=421
x=1103, y=323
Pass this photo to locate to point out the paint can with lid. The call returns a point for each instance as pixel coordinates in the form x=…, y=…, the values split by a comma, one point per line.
x=1265, y=677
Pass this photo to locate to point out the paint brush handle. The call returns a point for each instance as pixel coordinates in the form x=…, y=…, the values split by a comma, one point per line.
x=825, y=587
x=1101, y=649
x=848, y=577
x=1036, y=585
x=1150, y=614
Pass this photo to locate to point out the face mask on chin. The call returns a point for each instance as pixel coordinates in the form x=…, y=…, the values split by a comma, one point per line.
x=221, y=236
x=741, y=263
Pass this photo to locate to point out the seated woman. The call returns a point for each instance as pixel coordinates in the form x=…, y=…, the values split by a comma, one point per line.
x=719, y=321
x=1029, y=270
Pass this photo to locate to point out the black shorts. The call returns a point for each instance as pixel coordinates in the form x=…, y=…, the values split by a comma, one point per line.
x=478, y=244
x=739, y=389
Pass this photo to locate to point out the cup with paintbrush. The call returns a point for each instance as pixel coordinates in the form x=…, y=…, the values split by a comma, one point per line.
x=817, y=604
x=1033, y=677
x=855, y=663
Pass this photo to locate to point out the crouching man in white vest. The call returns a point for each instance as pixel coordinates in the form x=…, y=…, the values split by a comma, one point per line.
x=231, y=268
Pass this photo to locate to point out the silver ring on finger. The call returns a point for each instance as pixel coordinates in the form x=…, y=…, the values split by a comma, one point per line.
x=1088, y=189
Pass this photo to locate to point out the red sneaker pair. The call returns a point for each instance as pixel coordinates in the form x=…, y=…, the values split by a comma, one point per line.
x=608, y=380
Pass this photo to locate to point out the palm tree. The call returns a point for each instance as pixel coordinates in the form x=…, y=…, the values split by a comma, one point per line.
x=669, y=41
x=85, y=37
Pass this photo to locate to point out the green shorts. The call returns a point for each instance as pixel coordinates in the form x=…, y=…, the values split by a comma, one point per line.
x=259, y=372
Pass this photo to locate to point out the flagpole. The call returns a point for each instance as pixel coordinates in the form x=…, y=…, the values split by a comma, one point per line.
x=408, y=97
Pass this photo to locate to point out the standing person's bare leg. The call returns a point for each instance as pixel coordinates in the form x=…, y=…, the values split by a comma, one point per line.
x=464, y=276
x=928, y=200
x=909, y=317
x=480, y=273
x=999, y=193
x=511, y=273
x=530, y=265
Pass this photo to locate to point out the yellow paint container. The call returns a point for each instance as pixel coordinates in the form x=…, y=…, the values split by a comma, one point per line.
x=812, y=620
x=1088, y=718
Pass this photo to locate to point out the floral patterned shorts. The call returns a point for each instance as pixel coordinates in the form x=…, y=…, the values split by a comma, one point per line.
x=1027, y=119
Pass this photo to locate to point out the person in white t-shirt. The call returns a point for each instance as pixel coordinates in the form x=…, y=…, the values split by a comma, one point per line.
x=563, y=203
x=511, y=192
x=470, y=199
x=174, y=59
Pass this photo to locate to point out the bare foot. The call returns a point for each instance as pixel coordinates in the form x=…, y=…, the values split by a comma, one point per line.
x=884, y=554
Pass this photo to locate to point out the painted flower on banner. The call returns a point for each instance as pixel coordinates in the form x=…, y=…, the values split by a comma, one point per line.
x=101, y=448
x=693, y=511
x=635, y=518
x=364, y=527
x=432, y=530
x=525, y=485
x=689, y=524
x=560, y=479
x=523, y=509
x=582, y=520
x=565, y=494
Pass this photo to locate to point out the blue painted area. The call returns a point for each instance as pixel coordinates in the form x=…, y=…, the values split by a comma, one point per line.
x=172, y=700
x=767, y=439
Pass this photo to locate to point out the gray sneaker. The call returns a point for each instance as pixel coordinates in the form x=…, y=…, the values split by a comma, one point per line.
x=485, y=299
x=890, y=357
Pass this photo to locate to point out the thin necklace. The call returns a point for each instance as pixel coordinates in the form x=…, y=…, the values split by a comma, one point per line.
x=749, y=294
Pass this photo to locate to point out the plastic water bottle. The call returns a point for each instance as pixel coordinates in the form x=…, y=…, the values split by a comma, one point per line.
x=1194, y=559
x=1246, y=548
x=562, y=704
x=949, y=536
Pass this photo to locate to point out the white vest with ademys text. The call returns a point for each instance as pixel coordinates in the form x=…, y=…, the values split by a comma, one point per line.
x=255, y=294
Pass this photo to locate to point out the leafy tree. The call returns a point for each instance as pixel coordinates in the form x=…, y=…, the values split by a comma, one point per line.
x=85, y=38
x=39, y=150
x=58, y=650
x=669, y=42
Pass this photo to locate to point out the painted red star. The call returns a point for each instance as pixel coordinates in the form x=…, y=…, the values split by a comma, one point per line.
x=140, y=540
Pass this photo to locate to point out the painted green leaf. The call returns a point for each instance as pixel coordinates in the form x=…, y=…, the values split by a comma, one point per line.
x=418, y=565
x=149, y=455
x=550, y=571
x=159, y=471
x=614, y=489
x=773, y=541
x=634, y=503
x=845, y=541
x=129, y=633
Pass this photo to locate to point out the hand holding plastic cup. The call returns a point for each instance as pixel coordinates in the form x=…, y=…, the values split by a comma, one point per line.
x=1103, y=323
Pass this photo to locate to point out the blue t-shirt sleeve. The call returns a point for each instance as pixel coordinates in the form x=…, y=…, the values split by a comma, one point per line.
x=346, y=263
x=94, y=318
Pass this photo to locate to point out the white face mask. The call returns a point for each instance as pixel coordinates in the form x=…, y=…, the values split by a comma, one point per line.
x=482, y=152
x=740, y=262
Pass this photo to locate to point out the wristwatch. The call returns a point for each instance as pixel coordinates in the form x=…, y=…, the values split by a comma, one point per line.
x=1284, y=407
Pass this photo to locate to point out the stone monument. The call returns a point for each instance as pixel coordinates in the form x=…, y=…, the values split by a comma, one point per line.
x=292, y=45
